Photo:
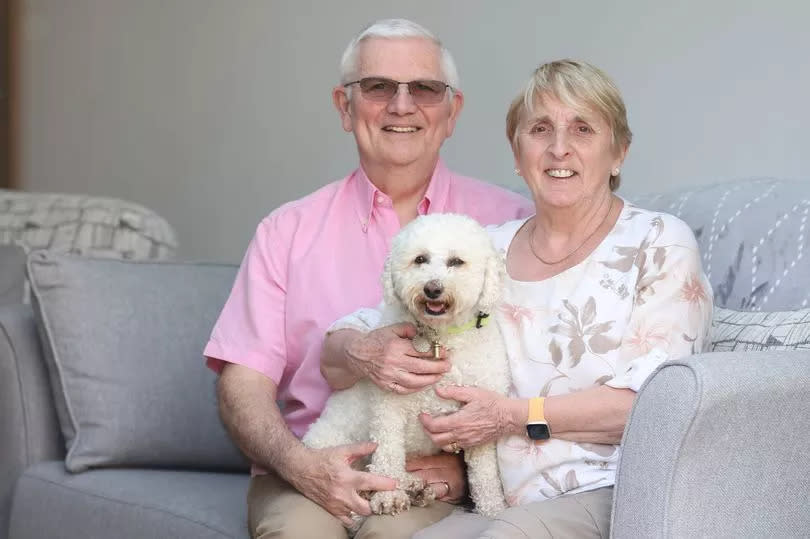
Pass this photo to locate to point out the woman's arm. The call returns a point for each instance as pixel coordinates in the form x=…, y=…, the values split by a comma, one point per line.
x=595, y=415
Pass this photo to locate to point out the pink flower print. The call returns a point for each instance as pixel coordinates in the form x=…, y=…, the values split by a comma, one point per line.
x=645, y=337
x=516, y=314
x=692, y=290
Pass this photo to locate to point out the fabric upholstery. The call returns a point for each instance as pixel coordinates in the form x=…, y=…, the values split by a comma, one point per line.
x=781, y=330
x=123, y=343
x=29, y=431
x=78, y=224
x=128, y=504
x=12, y=274
x=752, y=237
x=716, y=447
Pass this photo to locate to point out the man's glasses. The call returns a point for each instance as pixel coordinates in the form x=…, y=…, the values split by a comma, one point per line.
x=423, y=92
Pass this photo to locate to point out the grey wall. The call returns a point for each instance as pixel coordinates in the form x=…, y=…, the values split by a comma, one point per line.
x=214, y=112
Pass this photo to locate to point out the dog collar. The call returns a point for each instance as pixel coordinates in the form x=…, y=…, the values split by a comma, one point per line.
x=480, y=321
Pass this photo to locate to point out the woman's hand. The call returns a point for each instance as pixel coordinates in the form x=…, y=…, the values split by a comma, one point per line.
x=484, y=416
x=443, y=472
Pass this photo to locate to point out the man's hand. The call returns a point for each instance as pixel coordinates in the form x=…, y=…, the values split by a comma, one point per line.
x=443, y=472
x=386, y=356
x=327, y=478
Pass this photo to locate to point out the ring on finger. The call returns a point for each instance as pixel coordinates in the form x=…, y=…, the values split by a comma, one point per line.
x=393, y=386
x=454, y=447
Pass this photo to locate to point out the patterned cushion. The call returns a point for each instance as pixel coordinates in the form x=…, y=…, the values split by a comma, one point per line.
x=84, y=225
x=736, y=330
x=752, y=237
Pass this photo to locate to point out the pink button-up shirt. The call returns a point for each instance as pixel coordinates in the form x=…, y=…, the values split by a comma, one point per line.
x=316, y=259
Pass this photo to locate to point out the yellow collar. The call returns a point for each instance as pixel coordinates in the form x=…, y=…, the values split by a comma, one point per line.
x=478, y=322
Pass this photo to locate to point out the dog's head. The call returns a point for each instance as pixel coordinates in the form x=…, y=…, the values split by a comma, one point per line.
x=443, y=269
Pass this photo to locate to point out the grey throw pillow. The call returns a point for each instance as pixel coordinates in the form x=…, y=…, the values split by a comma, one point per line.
x=123, y=341
x=743, y=330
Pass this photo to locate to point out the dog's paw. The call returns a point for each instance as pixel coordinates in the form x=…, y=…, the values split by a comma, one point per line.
x=423, y=497
x=420, y=493
x=390, y=502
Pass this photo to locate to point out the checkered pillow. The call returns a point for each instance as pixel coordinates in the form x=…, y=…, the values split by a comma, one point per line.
x=742, y=330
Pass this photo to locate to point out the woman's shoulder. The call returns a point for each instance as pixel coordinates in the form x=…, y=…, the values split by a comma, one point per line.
x=654, y=225
x=503, y=234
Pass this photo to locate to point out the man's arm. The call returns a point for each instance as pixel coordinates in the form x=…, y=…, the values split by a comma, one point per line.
x=248, y=408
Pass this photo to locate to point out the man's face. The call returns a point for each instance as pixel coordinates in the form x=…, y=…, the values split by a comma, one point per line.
x=399, y=132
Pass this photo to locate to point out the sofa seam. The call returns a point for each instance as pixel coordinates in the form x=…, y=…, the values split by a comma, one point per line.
x=52, y=364
x=121, y=502
x=20, y=386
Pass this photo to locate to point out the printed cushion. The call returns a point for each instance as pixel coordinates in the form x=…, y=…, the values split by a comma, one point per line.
x=743, y=330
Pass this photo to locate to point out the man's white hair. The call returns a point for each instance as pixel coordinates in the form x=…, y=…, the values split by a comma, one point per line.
x=396, y=29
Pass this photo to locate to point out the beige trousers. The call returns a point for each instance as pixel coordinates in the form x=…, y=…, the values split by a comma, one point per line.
x=276, y=509
x=578, y=515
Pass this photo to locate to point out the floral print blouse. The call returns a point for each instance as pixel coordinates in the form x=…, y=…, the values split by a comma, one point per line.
x=639, y=299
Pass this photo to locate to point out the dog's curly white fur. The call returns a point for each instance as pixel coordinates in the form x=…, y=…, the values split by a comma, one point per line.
x=441, y=273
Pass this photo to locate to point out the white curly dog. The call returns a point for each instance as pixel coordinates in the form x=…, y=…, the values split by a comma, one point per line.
x=444, y=276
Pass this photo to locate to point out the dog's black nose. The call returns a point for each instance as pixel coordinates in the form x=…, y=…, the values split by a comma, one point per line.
x=433, y=289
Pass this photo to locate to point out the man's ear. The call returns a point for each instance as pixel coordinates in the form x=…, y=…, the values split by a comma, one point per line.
x=343, y=105
x=456, y=104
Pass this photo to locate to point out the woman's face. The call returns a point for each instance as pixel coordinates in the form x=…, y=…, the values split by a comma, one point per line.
x=566, y=156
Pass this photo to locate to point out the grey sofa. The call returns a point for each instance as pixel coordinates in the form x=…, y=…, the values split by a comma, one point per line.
x=106, y=362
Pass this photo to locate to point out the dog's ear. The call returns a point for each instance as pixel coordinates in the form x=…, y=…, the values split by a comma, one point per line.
x=389, y=295
x=493, y=282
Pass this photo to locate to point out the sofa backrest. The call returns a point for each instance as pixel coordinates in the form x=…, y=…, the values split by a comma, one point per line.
x=752, y=236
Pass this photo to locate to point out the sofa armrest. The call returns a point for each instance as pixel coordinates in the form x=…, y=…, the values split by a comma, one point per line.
x=716, y=445
x=29, y=431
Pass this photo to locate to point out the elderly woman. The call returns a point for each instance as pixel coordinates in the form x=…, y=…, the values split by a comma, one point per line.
x=599, y=292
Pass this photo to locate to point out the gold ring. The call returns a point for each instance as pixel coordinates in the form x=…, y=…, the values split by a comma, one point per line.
x=393, y=386
x=454, y=447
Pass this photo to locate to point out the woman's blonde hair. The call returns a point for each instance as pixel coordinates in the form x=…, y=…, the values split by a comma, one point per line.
x=579, y=85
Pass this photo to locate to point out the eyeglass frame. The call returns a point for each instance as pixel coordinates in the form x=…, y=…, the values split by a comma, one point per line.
x=400, y=83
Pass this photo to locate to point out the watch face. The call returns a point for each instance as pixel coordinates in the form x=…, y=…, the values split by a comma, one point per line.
x=538, y=431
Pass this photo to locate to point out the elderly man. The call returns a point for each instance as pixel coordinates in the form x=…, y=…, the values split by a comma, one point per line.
x=320, y=257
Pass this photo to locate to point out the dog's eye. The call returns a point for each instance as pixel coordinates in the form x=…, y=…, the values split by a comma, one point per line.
x=421, y=259
x=455, y=261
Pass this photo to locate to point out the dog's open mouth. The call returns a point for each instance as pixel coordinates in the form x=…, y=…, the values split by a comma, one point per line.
x=436, y=308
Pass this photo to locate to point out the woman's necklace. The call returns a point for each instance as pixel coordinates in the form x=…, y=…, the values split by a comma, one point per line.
x=566, y=257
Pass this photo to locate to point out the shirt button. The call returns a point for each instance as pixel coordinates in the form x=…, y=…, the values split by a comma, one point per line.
x=380, y=199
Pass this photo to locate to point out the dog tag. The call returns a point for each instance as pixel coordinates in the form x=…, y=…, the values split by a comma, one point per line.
x=436, y=350
x=421, y=344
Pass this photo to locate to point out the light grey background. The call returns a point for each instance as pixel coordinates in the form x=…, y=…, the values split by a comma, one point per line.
x=214, y=112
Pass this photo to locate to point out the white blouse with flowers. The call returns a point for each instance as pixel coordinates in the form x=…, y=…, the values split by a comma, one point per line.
x=640, y=298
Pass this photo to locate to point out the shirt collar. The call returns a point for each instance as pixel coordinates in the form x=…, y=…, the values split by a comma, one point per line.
x=434, y=201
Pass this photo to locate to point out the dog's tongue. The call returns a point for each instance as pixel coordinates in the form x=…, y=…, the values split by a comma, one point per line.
x=435, y=306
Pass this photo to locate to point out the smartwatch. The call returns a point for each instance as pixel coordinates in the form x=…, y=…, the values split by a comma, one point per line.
x=536, y=427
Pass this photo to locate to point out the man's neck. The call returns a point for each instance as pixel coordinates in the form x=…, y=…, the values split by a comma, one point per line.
x=406, y=186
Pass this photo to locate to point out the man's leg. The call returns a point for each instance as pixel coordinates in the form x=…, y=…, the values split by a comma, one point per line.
x=579, y=515
x=404, y=525
x=276, y=509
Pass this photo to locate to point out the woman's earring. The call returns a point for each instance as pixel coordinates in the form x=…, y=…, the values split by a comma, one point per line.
x=616, y=171
x=517, y=171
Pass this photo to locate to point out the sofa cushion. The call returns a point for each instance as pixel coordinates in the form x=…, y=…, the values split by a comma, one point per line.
x=123, y=343
x=752, y=238
x=743, y=330
x=12, y=274
x=51, y=502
